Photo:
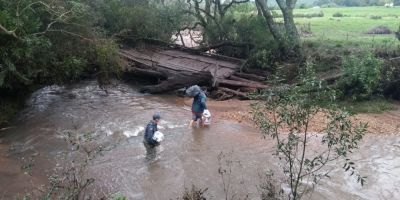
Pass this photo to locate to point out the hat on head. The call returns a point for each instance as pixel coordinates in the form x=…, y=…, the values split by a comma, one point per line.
x=156, y=116
x=192, y=91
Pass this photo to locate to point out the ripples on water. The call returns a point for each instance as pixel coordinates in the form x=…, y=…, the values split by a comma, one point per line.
x=185, y=157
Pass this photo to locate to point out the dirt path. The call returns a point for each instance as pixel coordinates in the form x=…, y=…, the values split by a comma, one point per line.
x=383, y=123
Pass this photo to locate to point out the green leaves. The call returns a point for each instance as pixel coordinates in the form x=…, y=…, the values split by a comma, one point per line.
x=3, y=74
x=361, y=76
x=285, y=115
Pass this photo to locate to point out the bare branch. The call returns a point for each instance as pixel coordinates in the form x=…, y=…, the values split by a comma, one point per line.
x=7, y=32
x=70, y=33
x=226, y=43
x=232, y=3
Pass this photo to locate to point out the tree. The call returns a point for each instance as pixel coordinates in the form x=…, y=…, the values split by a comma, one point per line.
x=287, y=116
x=31, y=17
x=287, y=35
x=47, y=41
x=212, y=16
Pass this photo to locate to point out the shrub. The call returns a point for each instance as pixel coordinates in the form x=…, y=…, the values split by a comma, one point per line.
x=285, y=116
x=305, y=29
x=194, y=194
x=303, y=6
x=107, y=61
x=397, y=33
x=263, y=59
x=375, y=17
x=391, y=81
x=338, y=14
x=301, y=15
x=380, y=30
x=361, y=76
x=248, y=30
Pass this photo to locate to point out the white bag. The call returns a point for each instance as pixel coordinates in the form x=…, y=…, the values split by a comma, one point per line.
x=158, y=136
x=206, y=117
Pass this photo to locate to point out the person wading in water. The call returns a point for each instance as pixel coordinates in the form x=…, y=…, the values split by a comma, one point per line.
x=198, y=105
x=149, y=142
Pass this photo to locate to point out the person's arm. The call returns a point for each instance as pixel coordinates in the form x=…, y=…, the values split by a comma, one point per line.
x=203, y=102
x=149, y=133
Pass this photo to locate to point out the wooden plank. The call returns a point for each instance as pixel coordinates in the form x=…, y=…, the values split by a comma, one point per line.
x=204, y=59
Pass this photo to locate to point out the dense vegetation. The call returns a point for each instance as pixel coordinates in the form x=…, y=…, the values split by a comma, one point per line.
x=331, y=3
x=46, y=42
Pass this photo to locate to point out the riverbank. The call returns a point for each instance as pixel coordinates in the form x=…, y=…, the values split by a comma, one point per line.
x=386, y=122
x=35, y=145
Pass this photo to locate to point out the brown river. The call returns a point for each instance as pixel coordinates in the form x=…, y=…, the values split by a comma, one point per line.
x=31, y=148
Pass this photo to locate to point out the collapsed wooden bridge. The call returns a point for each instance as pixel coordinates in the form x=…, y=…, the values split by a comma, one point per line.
x=175, y=69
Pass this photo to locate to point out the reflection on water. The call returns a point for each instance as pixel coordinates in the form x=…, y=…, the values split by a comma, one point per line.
x=186, y=156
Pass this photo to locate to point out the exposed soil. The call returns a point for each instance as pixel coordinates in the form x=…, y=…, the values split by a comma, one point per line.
x=383, y=123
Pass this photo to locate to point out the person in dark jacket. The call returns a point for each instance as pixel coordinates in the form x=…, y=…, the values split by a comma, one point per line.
x=148, y=141
x=151, y=128
x=198, y=105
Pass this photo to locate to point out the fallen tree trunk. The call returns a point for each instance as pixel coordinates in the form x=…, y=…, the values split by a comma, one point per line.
x=235, y=78
x=252, y=77
x=147, y=72
x=242, y=84
x=178, y=81
x=237, y=93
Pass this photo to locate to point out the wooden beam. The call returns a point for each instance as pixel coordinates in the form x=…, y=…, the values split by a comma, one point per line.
x=242, y=84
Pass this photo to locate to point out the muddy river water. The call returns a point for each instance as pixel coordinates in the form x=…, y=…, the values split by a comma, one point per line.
x=186, y=157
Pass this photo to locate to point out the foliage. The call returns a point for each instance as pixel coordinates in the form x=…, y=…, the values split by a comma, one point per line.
x=269, y=188
x=302, y=15
x=284, y=33
x=194, y=194
x=286, y=116
x=263, y=59
x=379, y=30
x=398, y=34
x=119, y=197
x=361, y=76
x=390, y=82
x=44, y=42
x=63, y=41
x=126, y=19
x=252, y=31
x=338, y=14
x=9, y=107
x=350, y=3
x=370, y=106
x=107, y=60
x=375, y=17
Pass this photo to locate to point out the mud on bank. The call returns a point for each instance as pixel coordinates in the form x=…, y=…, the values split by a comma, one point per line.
x=387, y=122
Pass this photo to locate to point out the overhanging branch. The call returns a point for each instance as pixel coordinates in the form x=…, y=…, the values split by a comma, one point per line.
x=227, y=43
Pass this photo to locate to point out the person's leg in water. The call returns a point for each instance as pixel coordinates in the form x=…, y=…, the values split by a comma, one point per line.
x=195, y=117
x=151, y=151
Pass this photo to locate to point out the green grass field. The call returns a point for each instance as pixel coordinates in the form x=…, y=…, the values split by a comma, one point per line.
x=352, y=27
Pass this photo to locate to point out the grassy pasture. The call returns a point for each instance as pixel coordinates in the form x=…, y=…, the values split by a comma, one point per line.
x=352, y=27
